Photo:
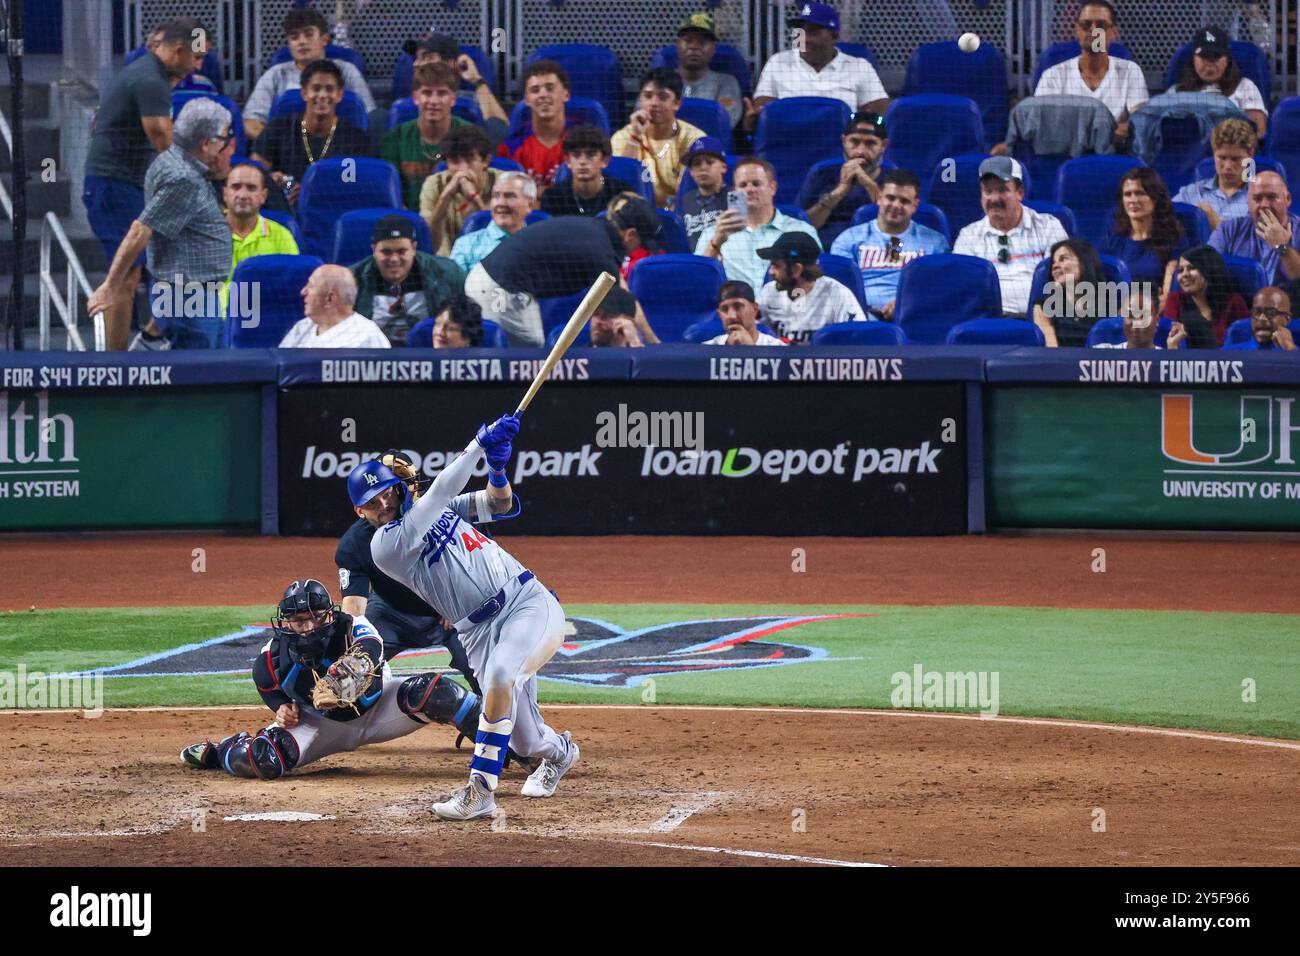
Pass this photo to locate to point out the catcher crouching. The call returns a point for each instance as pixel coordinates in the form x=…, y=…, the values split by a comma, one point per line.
x=324, y=675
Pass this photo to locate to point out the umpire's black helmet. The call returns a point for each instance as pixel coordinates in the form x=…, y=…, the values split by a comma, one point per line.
x=312, y=597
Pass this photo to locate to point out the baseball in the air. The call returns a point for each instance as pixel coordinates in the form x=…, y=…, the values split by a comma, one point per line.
x=969, y=42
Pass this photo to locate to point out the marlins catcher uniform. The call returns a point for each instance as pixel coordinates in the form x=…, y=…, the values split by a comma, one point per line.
x=509, y=624
x=323, y=674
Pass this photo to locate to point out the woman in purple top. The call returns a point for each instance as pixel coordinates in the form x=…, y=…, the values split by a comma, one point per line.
x=1146, y=234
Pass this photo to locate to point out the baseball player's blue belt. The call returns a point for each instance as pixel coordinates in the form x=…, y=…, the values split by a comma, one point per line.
x=493, y=605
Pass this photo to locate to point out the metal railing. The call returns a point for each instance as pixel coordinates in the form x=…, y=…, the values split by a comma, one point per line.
x=65, y=305
x=7, y=134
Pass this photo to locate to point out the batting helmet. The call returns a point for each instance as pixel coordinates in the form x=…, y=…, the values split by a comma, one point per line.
x=311, y=597
x=368, y=479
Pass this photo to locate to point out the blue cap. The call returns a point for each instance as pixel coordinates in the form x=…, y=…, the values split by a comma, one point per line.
x=368, y=479
x=705, y=146
x=819, y=15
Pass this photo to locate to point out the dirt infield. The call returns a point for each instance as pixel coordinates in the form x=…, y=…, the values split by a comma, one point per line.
x=142, y=570
x=868, y=787
x=673, y=786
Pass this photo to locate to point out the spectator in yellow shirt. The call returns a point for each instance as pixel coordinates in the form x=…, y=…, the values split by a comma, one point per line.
x=244, y=195
x=655, y=135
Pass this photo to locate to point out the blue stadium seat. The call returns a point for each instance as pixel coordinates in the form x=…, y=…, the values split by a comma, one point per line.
x=676, y=291
x=794, y=211
x=405, y=110
x=556, y=312
x=1089, y=185
x=794, y=133
x=1062, y=213
x=939, y=291
x=496, y=162
x=1066, y=50
x=846, y=272
x=211, y=66
x=286, y=220
x=708, y=115
x=726, y=59
x=354, y=229
x=1238, y=331
x=181, y=97
x=1194, y=221
x=860, y=50
x=404, y=71
x=672, y=232
x=1041, y=171
x=620, y=167
x=1111, y=332
x=594, y=71
x=925, y=129
x=326, y=195
x=332, y=50
x=1250, y=59
x=581, y=340
x=995, y=332
x=926, y=214
x=479, y=220
x=421, y=336
x=958, y=195
x=1205, y=168
x=1283, y=143
x=581, y=109
x=945, y=68
x=1249, y=274
x=350, y=108
x=279, y=281
x=711, y=328
x=860, y=333
x=1181, y=148
x=1115, y=269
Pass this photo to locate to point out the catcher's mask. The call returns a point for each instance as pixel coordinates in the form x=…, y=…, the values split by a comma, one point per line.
x=306, y=638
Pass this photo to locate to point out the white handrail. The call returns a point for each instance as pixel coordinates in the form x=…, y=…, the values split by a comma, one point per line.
x=8, y=135
x=52, y=229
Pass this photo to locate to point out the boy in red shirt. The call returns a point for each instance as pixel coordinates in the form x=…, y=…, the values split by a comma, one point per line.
x=538, y=144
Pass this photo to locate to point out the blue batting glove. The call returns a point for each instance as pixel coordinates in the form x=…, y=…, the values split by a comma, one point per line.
x=502, y=430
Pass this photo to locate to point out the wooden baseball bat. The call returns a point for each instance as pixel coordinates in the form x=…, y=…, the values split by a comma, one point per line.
x=590, y=302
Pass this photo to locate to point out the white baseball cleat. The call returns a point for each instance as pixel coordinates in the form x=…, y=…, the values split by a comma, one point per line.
x=470, y=801
x=543, y=781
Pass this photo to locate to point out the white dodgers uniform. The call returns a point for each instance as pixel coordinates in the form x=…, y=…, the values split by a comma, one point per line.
x=508, y=623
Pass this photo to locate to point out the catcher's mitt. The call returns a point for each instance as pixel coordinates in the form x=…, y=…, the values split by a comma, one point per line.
x=344, y=682
x=399, y=464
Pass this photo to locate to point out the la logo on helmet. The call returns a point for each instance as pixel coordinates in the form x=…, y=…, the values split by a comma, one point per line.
x=371, y=480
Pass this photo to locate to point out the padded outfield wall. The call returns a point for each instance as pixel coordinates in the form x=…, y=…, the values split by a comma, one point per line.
x=912, y=441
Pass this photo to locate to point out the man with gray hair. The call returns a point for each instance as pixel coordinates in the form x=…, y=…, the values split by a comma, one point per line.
x=186, y=234
x=332, y=322
x=514, y=196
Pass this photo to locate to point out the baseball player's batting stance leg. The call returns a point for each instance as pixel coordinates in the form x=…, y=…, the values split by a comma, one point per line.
x=509, y=624
x=324, y=676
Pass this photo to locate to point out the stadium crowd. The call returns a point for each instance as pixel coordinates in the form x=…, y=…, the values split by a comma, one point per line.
x=445, y=221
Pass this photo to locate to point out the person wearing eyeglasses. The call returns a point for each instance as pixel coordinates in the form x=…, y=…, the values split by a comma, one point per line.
x=1012, y=236
x=882, y=246
x=830, y=194
x=185, y=232
x=1117, y=82
x=1270, y=321
x=398, y=286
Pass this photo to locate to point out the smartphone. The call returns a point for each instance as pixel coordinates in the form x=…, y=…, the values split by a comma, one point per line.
x=739, y=202
x=288, y=185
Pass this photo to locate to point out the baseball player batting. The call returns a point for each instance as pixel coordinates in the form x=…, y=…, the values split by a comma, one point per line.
x=509, y=624
x=323, y=674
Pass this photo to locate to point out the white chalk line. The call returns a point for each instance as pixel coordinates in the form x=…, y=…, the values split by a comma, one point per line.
x=755, y=854
x=862, y=712
x=853, y=712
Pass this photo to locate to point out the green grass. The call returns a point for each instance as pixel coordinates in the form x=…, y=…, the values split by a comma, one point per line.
x=1165, y=668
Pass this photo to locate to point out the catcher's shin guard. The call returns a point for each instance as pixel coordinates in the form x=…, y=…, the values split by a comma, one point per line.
x=268, y=756
x=428, y=698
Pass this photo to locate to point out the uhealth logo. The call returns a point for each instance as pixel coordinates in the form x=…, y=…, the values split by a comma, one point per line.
x=1255, y=436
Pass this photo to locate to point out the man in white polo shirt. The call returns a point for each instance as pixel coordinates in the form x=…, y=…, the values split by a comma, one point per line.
x=735, y=238
x=332, y=322
x=1117, y=82
x=1011, y=235
x=817, y=68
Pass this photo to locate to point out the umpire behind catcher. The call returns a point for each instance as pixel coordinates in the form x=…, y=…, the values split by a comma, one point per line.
x=402, y=618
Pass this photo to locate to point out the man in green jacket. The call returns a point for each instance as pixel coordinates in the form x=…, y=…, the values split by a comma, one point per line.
x=398, y=286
